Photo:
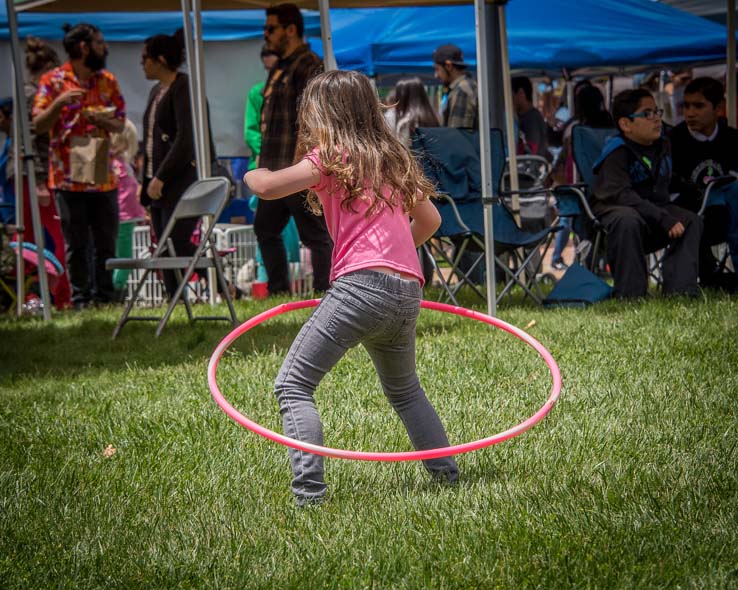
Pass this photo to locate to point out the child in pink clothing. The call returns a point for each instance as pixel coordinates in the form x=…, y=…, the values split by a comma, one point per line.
x=130, y=210
x=378, y=211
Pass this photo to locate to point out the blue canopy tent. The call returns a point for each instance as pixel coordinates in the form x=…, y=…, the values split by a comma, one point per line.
x=542, y=36
x=217, y=25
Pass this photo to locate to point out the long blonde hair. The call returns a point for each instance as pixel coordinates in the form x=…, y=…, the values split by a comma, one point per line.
x=341, y=115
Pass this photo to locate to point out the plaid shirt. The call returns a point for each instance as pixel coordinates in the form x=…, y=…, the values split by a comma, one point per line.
x=462, y=108
x=100, y=90
x=282, y=92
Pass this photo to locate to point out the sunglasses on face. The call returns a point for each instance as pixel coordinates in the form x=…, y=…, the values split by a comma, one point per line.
x=269, y=29
x=648, y=114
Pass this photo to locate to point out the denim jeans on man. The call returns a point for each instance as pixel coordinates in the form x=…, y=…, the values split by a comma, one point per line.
x=379, y=311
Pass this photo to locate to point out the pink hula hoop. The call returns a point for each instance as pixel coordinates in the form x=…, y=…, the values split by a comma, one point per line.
x=384, y=456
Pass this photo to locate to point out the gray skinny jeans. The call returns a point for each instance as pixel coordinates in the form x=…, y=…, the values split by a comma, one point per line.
x=380, y=312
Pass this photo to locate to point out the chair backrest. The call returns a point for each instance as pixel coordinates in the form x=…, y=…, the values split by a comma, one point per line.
x=586, y=146
x=450, y=160
x=206, y=197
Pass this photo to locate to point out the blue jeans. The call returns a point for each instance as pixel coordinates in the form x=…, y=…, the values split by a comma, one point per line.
x=379, y=311
x=562, y=238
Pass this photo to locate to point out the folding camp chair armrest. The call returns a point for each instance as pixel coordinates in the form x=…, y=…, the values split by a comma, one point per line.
x=449, y=199
x=575, y=188
x=715, y=183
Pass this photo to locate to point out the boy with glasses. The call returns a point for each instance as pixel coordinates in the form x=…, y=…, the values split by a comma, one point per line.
x=632, y=200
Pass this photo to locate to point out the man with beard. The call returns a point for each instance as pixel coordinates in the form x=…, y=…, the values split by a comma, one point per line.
x=460, y=110
x=283, y=34
x=80, y=104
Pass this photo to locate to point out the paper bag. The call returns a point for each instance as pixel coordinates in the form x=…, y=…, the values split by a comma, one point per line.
x=89, y=159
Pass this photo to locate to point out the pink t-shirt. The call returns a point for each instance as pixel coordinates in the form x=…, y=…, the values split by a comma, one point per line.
x=129, y=207
x=383, y=239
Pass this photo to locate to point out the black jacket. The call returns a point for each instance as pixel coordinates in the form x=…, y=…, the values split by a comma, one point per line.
x=632, y=175
x=173, y=153
x=696, y=163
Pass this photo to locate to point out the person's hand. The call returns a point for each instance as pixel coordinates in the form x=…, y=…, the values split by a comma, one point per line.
x=96, y=119
x=69, y=96
x=154, y=189
x=676, y=231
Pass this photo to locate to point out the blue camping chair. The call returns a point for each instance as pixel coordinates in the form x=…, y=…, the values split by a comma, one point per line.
x=572, y=200
x=450, y=159
x=723, y=191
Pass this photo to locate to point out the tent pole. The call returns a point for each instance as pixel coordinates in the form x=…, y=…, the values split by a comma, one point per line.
x=483, y=63
x=20, y=266
x=329, y=57
x=20, y=109
x=202, y=115
x=194, y=93
x=202, y=111
x=730, y=78
x=509, y=109
x=201, y=136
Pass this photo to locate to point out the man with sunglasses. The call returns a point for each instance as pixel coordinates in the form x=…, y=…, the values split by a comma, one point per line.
x=632, y=200
x=705, y=148
x=283, y=35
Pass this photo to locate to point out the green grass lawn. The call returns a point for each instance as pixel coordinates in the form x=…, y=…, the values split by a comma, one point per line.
x=630, y=482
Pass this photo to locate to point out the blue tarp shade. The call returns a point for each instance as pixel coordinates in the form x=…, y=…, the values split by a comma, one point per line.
x=225, y=25
x=541, y=35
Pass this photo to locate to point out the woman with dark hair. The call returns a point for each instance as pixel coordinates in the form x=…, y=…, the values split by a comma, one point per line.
x=412, y=109
x=589, y=110
x=169, y=148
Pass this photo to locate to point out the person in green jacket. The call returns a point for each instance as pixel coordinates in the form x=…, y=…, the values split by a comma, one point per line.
x=252, y=137
x=252, y=116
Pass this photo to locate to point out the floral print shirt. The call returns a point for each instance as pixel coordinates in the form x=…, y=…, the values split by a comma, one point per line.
x=101, y=90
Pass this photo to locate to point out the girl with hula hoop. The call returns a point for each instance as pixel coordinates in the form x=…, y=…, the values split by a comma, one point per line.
x=377, y=207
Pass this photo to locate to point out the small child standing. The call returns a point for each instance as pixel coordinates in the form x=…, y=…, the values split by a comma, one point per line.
x=378, y=211
x=130, y=210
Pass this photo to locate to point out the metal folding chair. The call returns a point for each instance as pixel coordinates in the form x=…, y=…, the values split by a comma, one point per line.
x=204, y=199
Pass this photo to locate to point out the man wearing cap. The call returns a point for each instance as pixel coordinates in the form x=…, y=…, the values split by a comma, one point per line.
x=461, y=110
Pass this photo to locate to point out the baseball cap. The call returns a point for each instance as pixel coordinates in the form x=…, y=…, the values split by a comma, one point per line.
x=449, y=52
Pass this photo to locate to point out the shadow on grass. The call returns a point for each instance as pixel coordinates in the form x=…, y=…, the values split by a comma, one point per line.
x=77, y=343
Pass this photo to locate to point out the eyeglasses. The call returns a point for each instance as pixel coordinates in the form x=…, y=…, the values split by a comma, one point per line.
x=648, y=114
x=269, y=29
